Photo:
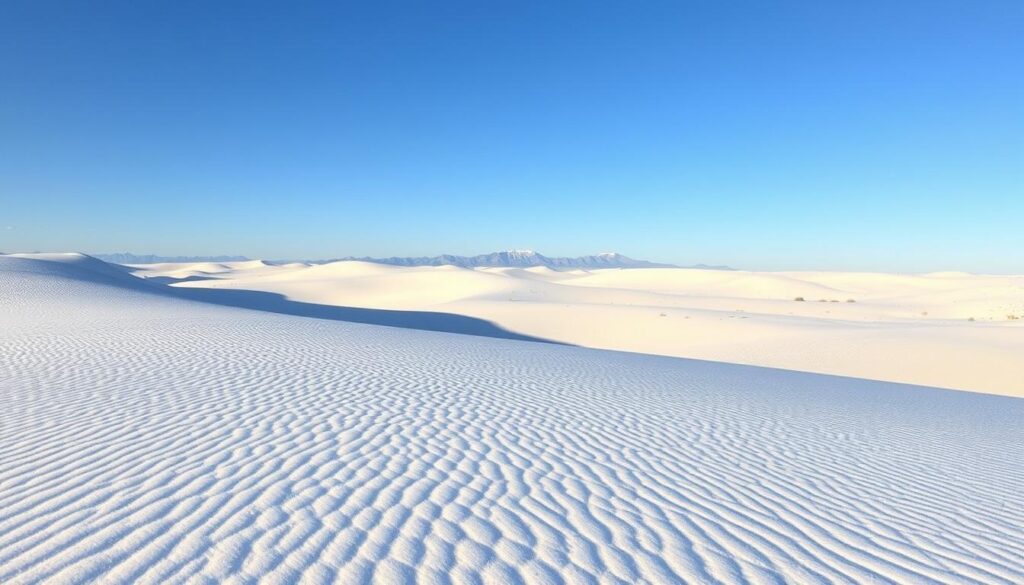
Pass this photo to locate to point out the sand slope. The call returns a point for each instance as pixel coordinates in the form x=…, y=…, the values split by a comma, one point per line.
x=903, y=328
x=149, y=439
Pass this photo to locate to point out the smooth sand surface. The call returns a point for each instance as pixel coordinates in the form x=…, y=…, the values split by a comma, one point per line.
x=149, y=438
x=915, y=329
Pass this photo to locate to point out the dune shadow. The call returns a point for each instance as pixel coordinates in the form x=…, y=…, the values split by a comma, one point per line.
x=172, y=280
x=423, y=320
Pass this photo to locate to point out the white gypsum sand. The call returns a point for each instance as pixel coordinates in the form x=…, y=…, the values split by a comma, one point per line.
x=149, y=439
x=949, y=330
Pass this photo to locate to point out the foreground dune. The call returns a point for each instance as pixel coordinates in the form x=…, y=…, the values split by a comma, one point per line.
x=146, y=438
x=949, y=330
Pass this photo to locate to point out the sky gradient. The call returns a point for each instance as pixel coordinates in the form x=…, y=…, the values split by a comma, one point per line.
x=790, y=135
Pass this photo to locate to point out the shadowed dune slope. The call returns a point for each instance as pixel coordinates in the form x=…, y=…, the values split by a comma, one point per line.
x=73, y=266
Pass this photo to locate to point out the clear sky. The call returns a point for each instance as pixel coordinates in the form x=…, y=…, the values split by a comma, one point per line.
x=871, y=135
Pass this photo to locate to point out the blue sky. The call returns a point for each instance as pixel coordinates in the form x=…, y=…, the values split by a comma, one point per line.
x=763, y=135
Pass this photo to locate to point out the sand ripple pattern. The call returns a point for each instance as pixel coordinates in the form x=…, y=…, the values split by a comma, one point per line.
x=146, y=439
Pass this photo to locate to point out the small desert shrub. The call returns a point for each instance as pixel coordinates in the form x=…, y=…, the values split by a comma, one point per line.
x=1012, y=317
x=801, y=299
x=851, y=301
x=970, y=318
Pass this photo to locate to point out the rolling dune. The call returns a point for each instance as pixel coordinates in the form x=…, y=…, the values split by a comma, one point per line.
x=949, y=330
x=147, y=438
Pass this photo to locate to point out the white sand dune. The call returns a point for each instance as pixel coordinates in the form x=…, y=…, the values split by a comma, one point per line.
x=904, y=328
x=146, y=438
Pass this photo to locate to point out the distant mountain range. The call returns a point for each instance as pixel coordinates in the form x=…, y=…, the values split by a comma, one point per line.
x=128, y=258
x=526, y=259
x=518, y=259
x=508, y=259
